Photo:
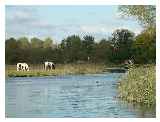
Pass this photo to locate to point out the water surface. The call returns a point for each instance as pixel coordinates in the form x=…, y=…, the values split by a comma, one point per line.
x=92, y=95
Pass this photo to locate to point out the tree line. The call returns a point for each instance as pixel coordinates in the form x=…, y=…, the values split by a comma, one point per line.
x=120, y=46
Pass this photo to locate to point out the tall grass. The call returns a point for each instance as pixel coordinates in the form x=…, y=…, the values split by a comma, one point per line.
x=139, y=85
x=61, y=69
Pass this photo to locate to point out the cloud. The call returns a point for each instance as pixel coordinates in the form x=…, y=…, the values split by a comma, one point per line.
x=20, y=14
x=91, y=29
x=96, y=29
x=105, y=30
x=28, y=21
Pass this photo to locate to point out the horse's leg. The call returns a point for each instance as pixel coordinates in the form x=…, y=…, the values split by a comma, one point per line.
x=22, y=68
x=17, y=68
x=53, y=66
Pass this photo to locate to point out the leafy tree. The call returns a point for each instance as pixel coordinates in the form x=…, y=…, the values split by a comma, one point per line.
x=144, y=47
x=23, y=43
x=120, y=46
x=11, y=43
x=11, y=52
x=71, y=47
x=48, y=43
x=145, y=14
x=88, y=47
x=121, y=41
x=36, y=43
x=103, y=51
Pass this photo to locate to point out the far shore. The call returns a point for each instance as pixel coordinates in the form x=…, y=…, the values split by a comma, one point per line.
x=61, y=69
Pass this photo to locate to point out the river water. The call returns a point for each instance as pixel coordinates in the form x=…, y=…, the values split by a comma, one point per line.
x=91, y=95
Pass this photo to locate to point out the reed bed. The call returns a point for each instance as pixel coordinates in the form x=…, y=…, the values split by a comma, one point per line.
x=139, y=85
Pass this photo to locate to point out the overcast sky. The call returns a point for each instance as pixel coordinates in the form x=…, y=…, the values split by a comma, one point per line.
x=58, y=22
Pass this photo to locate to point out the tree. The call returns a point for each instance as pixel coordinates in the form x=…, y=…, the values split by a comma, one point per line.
x=71, y=47
x=102, y=51
x=48, y=43
x=11, y=51
x=145, y=14
x=144, y=47
x=121, y=41
x=36, y=43
x=11, y=43
x=88, y=47
x=23, y=43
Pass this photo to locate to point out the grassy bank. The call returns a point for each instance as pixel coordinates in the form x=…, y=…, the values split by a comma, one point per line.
x=61, y=69
x=139, y=85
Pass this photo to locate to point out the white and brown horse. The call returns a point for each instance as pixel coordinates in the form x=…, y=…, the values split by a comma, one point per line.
x=22, y=67
x=49, y=65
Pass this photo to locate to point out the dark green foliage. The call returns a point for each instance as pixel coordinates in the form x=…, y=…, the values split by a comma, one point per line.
x=71, y=48
x=36, y=43
x=88, y=47
x=121, y=40
x=120, y=46
x=103, y=51
x=144, y=47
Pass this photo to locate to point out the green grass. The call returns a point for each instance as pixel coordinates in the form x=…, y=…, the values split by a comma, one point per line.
x=139, y=85
x=61, y=69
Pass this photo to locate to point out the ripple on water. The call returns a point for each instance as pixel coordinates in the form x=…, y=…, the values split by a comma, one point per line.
x=67, y=96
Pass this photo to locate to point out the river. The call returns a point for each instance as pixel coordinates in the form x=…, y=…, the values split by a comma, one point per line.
x=85, y=96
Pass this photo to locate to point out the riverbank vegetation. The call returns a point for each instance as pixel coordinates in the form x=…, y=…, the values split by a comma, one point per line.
x=139, y=85
x=61, y=69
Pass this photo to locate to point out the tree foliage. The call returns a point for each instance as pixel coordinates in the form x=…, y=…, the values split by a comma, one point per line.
x=145, y=14
x=120, y=46
x=122, y=40
x=144, y=46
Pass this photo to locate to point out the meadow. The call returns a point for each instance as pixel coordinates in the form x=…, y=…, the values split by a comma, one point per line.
x=61, y=69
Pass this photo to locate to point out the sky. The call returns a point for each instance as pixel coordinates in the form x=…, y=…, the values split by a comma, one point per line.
x=59, y=22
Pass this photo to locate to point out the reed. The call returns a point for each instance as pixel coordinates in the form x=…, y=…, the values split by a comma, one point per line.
x=139, y=85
